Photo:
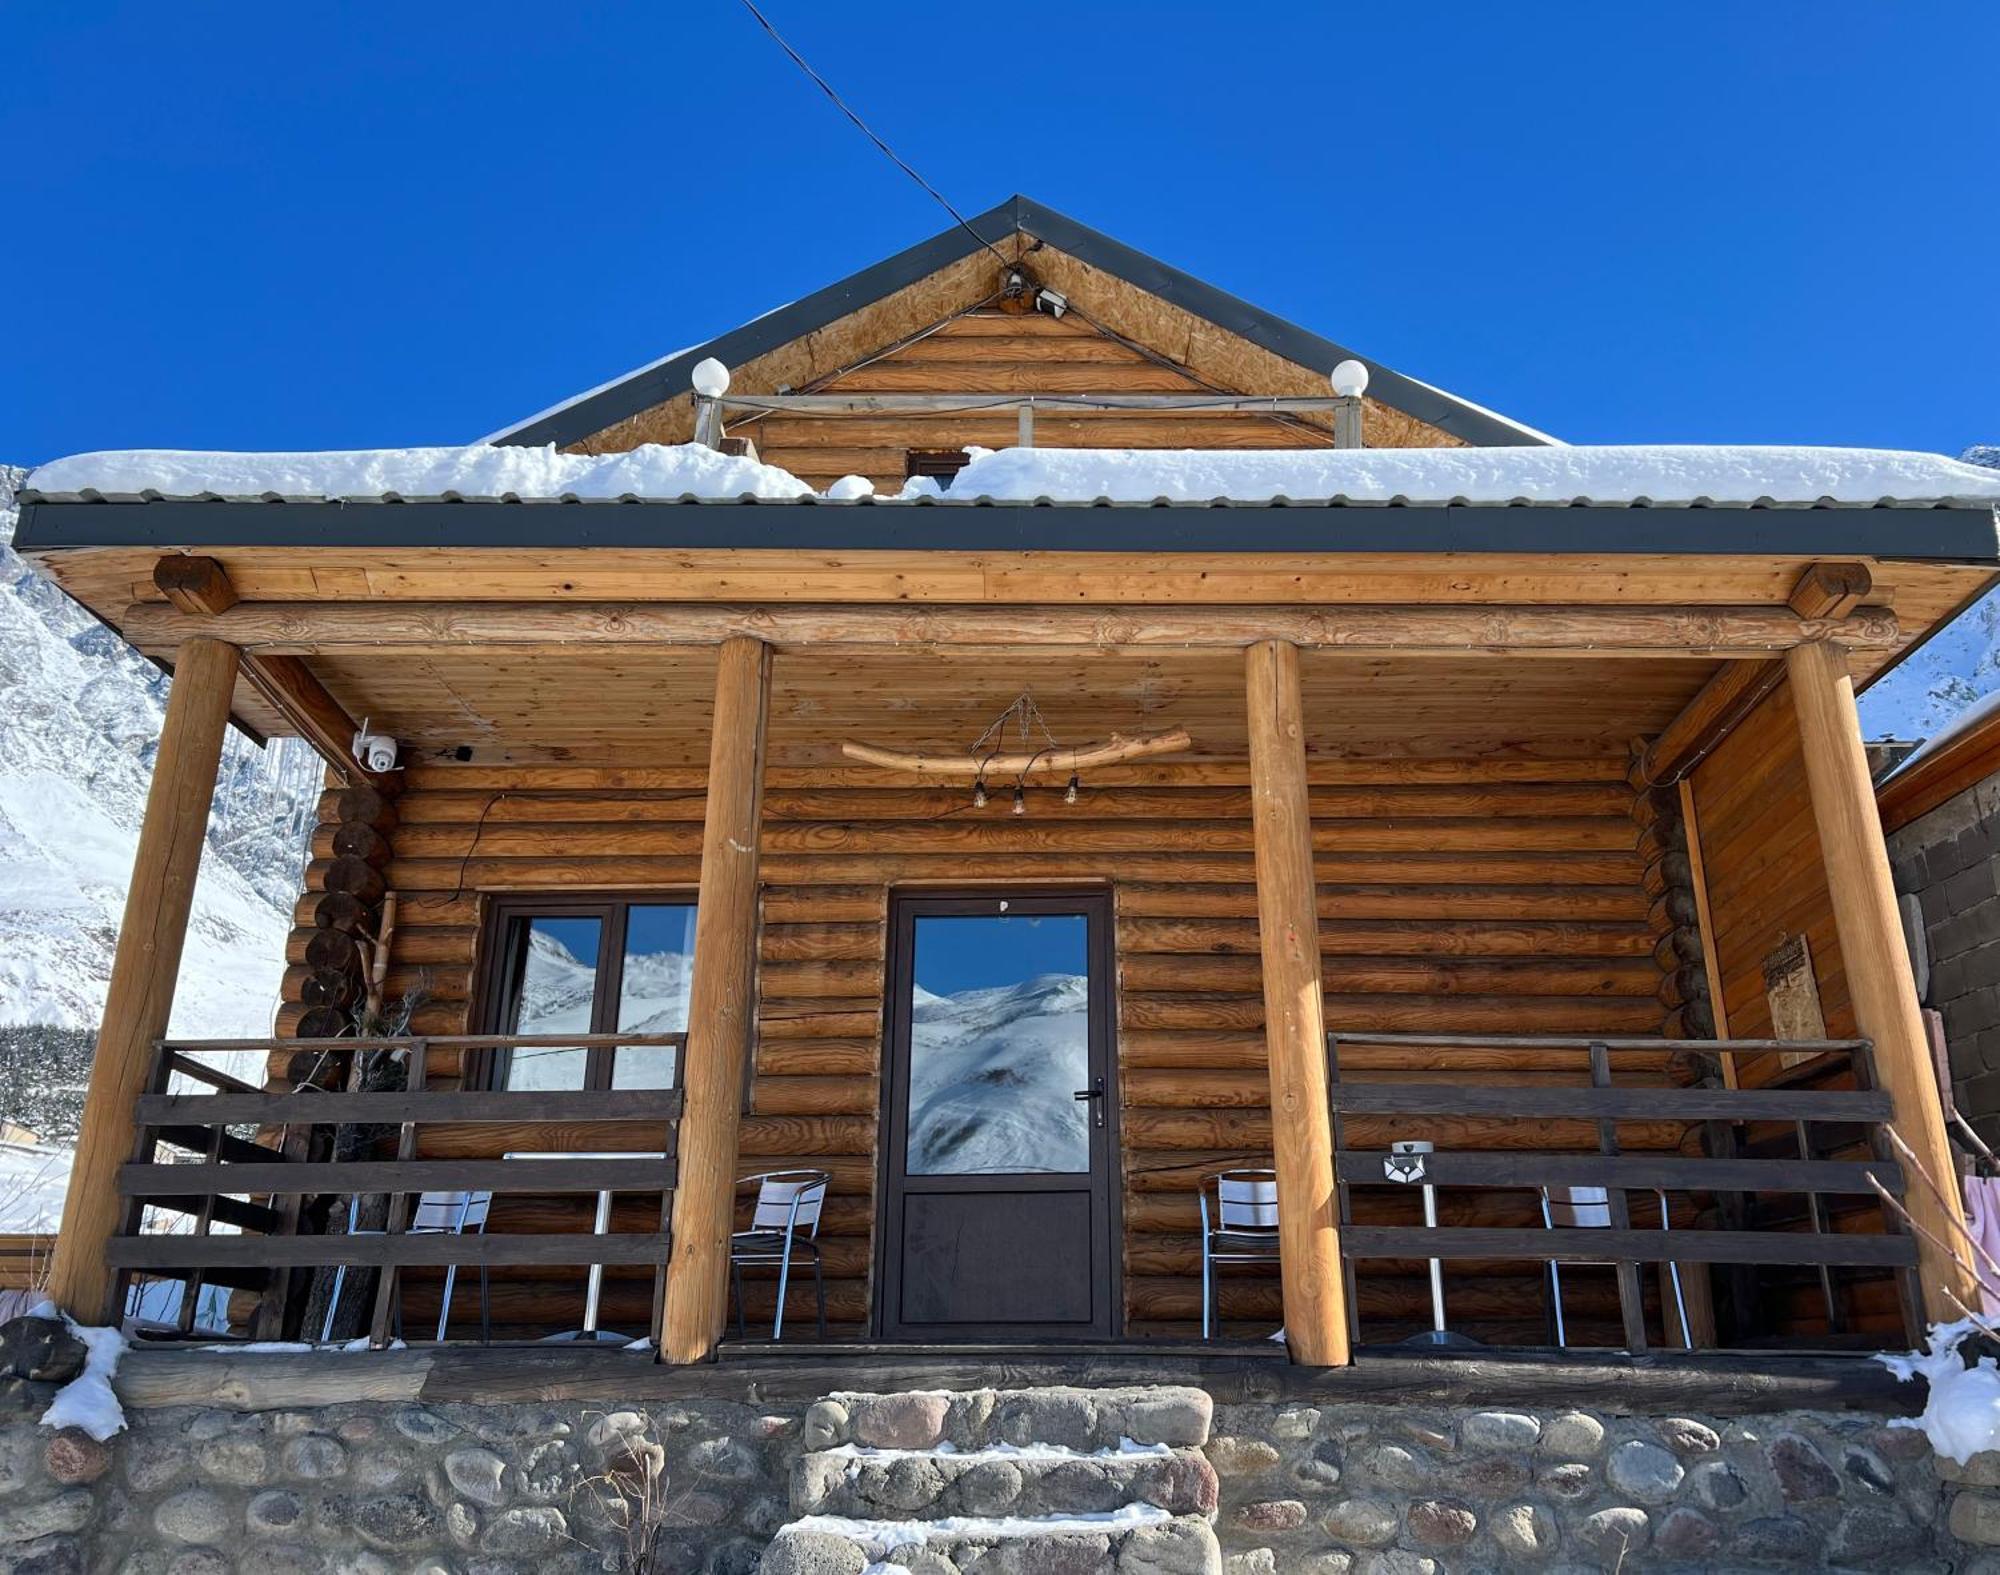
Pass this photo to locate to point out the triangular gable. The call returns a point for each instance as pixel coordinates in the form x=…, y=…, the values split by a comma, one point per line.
x=950, y=272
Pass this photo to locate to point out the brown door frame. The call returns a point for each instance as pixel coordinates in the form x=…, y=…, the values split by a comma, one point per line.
x=905, y=907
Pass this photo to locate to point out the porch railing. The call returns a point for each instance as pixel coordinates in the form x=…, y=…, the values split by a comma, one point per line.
x=1768, y=1139
x=253, y=1160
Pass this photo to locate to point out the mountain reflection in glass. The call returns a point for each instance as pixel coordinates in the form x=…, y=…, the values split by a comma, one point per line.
x=557, y=995
x=653, y=990
x=999, y=1045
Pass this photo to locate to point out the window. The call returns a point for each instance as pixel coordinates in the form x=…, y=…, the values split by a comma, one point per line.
x=590, y=967
x=941, y=463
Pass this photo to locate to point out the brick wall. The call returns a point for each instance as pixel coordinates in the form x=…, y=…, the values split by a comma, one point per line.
x=1947, y=866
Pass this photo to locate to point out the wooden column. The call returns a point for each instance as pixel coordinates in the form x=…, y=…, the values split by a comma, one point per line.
x=720, y=1005
x=1294, y=1018
x=1872, y=951
x=143, y=969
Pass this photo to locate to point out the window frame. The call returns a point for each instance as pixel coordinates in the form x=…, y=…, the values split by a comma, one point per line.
x=503, y=938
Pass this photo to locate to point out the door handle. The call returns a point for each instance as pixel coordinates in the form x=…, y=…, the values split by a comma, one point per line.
x=1095, y=1095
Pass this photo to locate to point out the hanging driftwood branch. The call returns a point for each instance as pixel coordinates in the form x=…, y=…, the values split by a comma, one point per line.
x=1062, y=762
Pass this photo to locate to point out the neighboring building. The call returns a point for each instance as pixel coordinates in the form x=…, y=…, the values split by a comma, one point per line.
x=1941, y=813
x=1187, y=787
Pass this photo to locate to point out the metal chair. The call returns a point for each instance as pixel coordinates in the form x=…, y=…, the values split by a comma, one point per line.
x=436, y=1214
x=1242, y=1228
x=1589, y=1208
x=786, y=1218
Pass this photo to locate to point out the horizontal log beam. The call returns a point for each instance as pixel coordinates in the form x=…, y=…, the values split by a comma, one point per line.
x=298, y=629
x=420, y=1175
x=437, y=1249
x=1641, y=1246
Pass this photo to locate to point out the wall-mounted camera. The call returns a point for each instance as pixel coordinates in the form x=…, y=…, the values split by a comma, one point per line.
x=374, y=751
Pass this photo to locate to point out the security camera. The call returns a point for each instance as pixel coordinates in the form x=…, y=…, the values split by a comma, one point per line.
x=1052, y=302
x=374, y=751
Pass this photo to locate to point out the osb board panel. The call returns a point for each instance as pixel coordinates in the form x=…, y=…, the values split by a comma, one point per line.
x=1468, y=896
x=650, y=706
x=1760, y=851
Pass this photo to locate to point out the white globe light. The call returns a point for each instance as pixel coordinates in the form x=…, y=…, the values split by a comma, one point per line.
x=1350, y=379
x=711, y=378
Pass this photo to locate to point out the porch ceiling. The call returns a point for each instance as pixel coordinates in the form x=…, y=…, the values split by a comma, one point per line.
x=651, y=706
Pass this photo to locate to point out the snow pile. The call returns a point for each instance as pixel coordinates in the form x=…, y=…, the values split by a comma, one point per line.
x=1658, y=473
x=1961, y=1414
x=653, y=470
x=87, y=1400
x=880, y=1539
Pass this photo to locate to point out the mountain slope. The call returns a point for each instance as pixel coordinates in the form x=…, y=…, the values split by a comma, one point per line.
x=80, y=715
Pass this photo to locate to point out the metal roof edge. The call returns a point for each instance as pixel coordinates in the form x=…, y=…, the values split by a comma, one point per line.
x=1950, y=534
x=662, y=380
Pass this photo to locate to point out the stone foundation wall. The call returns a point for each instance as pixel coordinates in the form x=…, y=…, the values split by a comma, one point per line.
x=390, y=1489
x=396, y=1489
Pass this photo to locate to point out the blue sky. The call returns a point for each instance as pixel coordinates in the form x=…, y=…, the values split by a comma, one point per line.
x=314, y=226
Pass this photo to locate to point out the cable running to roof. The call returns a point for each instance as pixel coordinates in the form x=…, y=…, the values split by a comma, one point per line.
x=861, y=125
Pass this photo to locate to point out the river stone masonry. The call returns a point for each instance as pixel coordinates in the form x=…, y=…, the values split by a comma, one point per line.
x=1015, y=1482
x=378, y=1487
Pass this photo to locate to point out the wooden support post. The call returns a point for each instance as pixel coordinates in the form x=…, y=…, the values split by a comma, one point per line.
x=1872, y=952
x=1024, y=425
x=143, y=970
x=720, y=1006
x=1294, y=1017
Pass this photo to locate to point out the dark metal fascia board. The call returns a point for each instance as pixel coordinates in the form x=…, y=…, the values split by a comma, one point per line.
x=1952, y=534
x=1285, y=339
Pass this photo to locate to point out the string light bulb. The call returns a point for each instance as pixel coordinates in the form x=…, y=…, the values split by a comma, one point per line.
x=1069, y=793
x=979, y=793
x=1020, y=800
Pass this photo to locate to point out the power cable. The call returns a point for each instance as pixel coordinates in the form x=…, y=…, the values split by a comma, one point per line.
x=861, y=125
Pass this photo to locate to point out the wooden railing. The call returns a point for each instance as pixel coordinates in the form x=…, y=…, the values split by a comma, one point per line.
x=250, y=1158
x=1739, y=1128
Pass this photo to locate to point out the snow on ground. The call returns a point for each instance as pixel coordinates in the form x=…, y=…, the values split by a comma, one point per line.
x=1661, y=473
x=653, y=470
x=882, y=1538
x=1961, y=1415
x=32, y=1182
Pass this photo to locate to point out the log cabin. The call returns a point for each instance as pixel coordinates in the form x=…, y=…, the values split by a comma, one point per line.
x=1313, y=766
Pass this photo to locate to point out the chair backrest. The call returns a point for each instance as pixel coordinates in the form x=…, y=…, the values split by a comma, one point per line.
x=1577, y=1208
x=776, y=1194
x=451, y=1212
x=1246, y=1199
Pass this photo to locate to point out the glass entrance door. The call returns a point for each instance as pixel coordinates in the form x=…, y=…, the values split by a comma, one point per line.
x=1000, y=1124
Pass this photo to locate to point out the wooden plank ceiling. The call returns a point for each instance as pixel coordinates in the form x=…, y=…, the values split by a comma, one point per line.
x=652, y=707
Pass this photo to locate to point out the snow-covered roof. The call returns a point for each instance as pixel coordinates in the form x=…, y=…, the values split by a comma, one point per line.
x=1654, y=475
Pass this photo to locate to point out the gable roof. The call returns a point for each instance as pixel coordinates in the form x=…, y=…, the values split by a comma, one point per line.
x=588, y=413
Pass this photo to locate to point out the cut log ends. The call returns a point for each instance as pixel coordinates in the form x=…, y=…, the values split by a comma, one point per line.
x=1675, y=913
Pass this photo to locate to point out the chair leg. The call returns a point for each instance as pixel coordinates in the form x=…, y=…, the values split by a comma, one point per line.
x=333, y=1304
x=1207, y=1290
x=784, y=1280
x=1556, y=1302
x=444, y=1308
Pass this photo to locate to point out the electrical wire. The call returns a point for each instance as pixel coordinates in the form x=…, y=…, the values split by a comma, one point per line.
x=861, y=125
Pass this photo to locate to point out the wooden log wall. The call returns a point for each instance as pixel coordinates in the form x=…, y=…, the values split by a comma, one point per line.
x=1674, y=907
x=1761, y=864
x=1455, y=896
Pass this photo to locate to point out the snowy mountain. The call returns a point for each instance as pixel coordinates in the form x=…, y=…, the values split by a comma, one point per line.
x=992, y=1075
x=1959, y=666
x=80, y=715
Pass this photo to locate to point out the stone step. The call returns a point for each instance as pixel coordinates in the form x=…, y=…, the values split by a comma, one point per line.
x=1137, y=1540
x=1081, y=1419
x=1041, y=1479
